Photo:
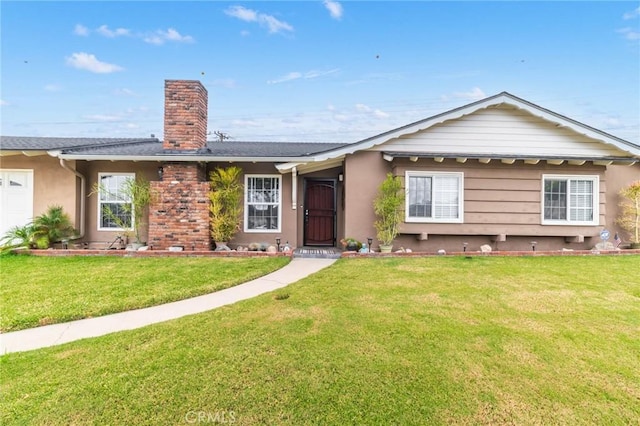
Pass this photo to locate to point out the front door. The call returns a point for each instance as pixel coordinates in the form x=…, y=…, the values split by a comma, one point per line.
x=319, y=212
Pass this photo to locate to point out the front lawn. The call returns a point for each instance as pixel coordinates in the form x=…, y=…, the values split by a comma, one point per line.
x=45, y=290
x=410, y=341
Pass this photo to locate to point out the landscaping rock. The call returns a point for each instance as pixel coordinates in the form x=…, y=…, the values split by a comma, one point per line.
x=485, y=248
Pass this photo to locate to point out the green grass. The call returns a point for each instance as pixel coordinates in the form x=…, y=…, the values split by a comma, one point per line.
x=488, y=340
x=45, y=290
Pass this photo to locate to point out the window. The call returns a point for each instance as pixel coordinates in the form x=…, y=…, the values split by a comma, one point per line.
x=114, y=206
x=262, y=203
x=434, y=197
x=570, y=200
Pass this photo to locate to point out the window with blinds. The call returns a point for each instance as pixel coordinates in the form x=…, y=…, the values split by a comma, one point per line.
x=434, y=197
x=571, y=200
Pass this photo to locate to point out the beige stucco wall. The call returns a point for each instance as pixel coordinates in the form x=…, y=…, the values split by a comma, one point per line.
x=288, y=216
x=52, y=185
x=617, y=178
x=91, y=169
x=363, y=173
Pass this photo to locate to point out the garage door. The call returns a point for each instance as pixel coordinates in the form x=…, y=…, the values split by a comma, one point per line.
x=16, y=198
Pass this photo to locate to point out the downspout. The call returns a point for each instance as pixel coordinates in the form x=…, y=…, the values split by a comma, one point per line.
x=294, y=188
x=83, y=185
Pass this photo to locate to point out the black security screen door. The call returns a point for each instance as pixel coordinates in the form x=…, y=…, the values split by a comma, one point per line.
x=319, y=212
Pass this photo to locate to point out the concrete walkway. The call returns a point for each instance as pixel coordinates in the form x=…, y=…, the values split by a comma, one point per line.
x=56, y=334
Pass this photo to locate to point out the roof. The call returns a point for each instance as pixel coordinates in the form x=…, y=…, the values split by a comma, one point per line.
x=30, y=143
x=501, y=98
x=290, y=154
x=150, y=149
x=212, y=149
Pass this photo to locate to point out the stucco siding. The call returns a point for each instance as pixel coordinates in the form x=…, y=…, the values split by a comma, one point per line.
x=617, y=178
x=52, y=185
x=364, y=171
x=500, y=131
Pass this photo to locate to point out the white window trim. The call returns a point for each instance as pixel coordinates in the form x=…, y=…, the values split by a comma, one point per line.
x=596, y=201
x=246, y=205
x=459, y=219
x=100, y=228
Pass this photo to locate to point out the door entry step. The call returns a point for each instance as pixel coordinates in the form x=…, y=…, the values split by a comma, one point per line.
x=317, y=252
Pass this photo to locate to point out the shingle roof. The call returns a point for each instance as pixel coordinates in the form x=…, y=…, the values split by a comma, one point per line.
x=128, y=147
x=29, y=143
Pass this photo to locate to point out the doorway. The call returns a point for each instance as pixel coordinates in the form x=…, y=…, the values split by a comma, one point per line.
x=320, y=212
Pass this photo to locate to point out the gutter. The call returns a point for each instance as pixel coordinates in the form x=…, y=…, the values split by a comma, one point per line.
x=176, y=158
x=83, y=184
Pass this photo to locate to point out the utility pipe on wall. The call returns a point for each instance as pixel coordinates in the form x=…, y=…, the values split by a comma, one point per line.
x=83, y=184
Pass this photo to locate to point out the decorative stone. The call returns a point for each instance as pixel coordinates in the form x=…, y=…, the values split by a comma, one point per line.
x=272, y=249
x=605, y=245
x=408, y=250
x=485, y=248
x=442, y=252
x=222, y=247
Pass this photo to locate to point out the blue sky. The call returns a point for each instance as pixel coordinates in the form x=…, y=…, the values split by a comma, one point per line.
x=312, y=70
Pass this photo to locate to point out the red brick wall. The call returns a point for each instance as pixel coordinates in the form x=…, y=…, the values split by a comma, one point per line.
x=179, y=214
x=185, y=115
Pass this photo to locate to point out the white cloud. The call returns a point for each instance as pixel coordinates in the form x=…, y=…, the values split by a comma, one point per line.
x=380, y=114
x=273, y=24
x=52, y=88
x=118, y=32
x=309, y=75
x=4, y=103
x=160, y=37
x=102, y=117
x=87, y=61
x=242, y=13
x=473, y=95
x=81, y=30
x=376, y=113
x=334, y=8
x=287, y=77
x=629, y=33
x=631, y=15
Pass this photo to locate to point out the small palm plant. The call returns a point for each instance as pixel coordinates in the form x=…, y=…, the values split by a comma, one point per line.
x=226, y=203
x=17, y=237
x=52, y=227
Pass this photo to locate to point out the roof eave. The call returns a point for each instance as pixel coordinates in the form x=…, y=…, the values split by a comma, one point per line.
x=175, y=158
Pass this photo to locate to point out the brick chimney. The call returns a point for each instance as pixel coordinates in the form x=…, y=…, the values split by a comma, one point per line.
x=185, y=115
x=179, y=215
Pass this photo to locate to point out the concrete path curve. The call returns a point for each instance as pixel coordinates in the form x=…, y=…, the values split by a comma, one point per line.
x=56, y=334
